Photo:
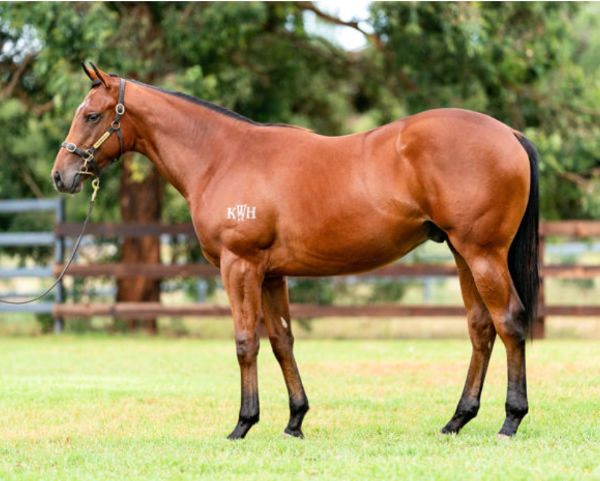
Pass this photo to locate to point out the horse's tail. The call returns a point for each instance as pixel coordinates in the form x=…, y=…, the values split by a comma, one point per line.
x=524, y=250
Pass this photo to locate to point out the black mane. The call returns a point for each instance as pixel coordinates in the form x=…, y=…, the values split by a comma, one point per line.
x=203, y=103
x=208, y=105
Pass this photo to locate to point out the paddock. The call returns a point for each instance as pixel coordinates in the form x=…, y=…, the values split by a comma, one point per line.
x=141, y=408
x=69, y=401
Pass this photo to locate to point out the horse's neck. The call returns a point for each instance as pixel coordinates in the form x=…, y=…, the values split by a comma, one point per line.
x=182, y=139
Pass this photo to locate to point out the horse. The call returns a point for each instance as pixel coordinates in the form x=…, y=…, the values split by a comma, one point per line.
x=269, y=201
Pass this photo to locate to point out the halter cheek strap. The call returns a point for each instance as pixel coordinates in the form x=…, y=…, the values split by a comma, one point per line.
x=115, y=126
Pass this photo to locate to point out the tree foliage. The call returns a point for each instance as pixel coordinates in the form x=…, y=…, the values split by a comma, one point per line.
x=516, y=61
x=531, y=65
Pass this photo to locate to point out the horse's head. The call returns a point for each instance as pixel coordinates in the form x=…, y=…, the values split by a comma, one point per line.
x=95, y=139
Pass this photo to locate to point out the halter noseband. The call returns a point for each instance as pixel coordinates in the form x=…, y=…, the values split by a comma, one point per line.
x=115, y=126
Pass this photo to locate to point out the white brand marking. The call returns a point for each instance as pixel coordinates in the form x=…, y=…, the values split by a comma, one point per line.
x=284, y=323
x=241, y=212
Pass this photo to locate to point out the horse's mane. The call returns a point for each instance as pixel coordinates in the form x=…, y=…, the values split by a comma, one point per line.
x=214, y=107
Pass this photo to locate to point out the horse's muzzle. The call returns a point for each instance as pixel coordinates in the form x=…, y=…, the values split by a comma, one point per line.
x=61, y=186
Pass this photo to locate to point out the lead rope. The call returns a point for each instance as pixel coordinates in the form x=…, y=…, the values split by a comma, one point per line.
x=96, y=187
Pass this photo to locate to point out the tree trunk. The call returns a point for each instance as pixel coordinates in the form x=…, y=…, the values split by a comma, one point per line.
x=141, y=201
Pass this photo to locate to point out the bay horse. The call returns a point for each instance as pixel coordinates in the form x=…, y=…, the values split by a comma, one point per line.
x=269, y=201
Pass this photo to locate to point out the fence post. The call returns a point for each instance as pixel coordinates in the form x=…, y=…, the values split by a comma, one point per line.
x=59, y=256
x=539, y=327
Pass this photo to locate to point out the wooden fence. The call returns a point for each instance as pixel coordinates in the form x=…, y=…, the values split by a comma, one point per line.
x=568, y=229
x=45, y=238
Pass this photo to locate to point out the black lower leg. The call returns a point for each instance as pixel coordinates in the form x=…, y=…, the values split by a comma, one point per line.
x=249, y=416
x=465, y=411
x=298, y=408
x=242, y=428
x=516, y=409
x=469, y=403
x=516, y=394
x=247, y=351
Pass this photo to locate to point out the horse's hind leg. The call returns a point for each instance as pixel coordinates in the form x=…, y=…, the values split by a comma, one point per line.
x=495, y=286
x=276, y=311
x=482, y=334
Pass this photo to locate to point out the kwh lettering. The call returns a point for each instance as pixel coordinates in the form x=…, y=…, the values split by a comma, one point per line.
x=241, y=212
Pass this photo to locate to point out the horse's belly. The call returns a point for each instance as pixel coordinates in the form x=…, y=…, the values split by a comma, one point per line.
x=356, y=248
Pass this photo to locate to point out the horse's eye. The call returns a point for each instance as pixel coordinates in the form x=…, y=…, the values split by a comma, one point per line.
x=93, y=117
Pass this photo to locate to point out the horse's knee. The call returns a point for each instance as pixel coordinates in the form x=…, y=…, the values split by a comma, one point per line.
x=247, y=346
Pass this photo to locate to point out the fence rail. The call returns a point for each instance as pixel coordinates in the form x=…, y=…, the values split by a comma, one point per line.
x=570, y=229
x=65, y=230
x=31, y=239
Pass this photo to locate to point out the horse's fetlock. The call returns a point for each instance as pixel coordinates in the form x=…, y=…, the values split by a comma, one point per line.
x=298, y=407
x=517, y=409
x=249, y=419
x=467, y=408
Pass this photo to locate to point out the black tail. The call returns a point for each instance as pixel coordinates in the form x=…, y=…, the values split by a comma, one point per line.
x=524, y=251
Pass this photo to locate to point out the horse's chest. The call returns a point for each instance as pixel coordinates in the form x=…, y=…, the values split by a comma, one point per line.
x=242, y=228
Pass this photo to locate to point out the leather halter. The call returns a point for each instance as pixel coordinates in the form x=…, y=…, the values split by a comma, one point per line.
x=115, y=126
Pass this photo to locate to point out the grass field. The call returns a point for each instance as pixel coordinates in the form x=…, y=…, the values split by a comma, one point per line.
x=101, y=408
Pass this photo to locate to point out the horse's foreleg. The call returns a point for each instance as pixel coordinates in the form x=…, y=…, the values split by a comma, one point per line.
x=276, y=311
x=482, y=334
x=242, y=281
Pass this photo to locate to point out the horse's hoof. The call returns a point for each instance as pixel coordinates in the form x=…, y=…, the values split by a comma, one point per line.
x=239, y=432
x=296, y=433
x=450, y=428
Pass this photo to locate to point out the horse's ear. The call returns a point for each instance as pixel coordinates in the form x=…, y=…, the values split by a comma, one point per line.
x=99, y=76
x=87, y=72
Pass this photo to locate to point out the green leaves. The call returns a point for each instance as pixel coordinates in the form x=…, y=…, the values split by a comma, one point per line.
x=532, y=65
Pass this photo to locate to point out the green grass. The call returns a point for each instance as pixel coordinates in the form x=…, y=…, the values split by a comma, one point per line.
x=102, y=408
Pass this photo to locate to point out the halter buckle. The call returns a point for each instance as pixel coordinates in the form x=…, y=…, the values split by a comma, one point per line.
x=120, y=109
x=70, y=147
x=89, y=157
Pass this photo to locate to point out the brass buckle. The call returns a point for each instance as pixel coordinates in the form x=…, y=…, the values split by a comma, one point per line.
x=96, y=187
x=86, y=160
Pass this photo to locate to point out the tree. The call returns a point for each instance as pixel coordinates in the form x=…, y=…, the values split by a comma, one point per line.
x=250, y=57
x=526, y=64
x=517, y=62
x=532, y=65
